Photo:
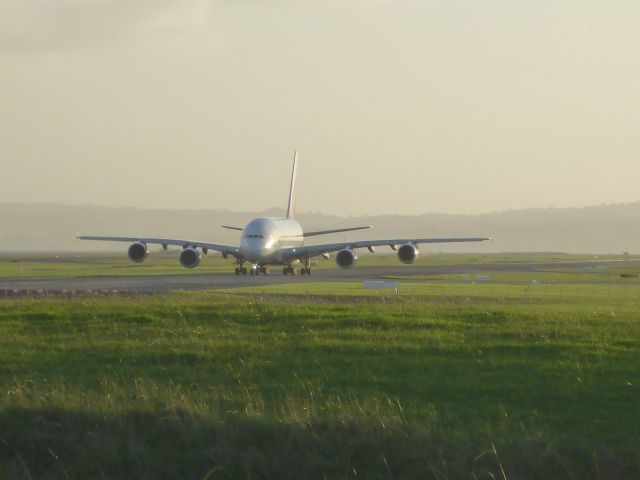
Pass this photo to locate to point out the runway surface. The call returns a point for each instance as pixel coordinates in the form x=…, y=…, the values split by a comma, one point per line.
x=163, y=283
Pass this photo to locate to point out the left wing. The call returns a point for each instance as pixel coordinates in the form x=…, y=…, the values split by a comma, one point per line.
x=293, y=253
x=224, y=249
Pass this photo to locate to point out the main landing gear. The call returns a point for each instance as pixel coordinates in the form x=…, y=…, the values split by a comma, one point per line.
x=240, y=269
x=307, y=267
x=306, y=270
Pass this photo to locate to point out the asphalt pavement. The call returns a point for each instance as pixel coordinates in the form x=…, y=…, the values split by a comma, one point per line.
x=195, y=281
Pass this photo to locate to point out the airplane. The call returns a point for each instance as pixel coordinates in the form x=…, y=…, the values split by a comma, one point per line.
x=278, y=241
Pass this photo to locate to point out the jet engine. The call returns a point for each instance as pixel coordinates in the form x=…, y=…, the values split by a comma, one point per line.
x=346, y=258
x=408, y=253
x=190, y=257
x=138, y=252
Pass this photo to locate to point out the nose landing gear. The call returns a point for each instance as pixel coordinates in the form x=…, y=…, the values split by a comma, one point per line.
x=259, y=270
x=256, y=269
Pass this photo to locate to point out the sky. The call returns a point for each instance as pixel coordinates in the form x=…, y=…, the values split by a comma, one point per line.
x=396, y=106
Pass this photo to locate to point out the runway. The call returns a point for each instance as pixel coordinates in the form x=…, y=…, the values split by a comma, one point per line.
x=164, y=283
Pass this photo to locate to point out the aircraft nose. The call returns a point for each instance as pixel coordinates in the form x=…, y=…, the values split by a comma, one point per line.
x=253, y=249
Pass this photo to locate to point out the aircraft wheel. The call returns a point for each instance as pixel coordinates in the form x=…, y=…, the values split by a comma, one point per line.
x=244, y=271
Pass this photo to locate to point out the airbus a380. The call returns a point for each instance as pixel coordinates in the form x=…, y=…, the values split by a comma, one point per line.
x=278, y=241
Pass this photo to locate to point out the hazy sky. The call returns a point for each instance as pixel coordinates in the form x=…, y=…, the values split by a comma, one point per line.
x=396, y=106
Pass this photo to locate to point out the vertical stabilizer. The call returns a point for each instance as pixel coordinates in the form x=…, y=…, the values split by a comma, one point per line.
x=292, y=190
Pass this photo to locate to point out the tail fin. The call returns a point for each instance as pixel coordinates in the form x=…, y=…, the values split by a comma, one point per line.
x=292, y=191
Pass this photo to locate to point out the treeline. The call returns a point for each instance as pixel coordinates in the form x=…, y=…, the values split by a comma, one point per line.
x=597, y=229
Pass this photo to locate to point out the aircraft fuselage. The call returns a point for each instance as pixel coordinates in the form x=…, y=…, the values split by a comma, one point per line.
x=262, y=238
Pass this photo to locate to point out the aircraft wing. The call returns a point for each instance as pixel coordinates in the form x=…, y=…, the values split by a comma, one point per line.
x=292, y=253
x=225, y=249
x=336, y=230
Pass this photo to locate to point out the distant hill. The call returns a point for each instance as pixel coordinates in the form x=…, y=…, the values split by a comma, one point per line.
x=597, y=229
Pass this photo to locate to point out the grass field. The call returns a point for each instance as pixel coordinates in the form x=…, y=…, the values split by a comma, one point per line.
x=323, y=381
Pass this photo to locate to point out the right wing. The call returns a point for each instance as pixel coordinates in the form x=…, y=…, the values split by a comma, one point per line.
x=224, y=249
x=293, y=253
x=337, y=230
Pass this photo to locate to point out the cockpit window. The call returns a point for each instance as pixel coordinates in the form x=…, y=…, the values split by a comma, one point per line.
x=255, y=236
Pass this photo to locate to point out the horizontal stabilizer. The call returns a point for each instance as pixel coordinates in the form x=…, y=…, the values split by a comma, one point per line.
x=232, y=228
x=337, y=230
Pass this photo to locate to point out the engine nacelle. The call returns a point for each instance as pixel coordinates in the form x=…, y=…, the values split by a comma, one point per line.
x=346, y=258
x=408, y=253
x=138, y=252
x=190, y=257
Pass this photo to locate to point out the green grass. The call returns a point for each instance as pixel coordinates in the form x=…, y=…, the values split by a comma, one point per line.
x=322, y=381
x=64, y=266
x=546, y=274
x=439, y=292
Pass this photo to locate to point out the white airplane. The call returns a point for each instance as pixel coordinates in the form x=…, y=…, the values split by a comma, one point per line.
x=278, y=241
